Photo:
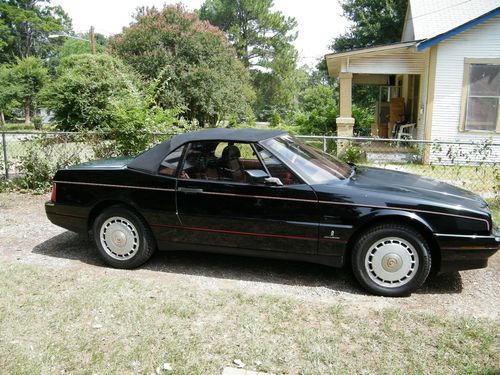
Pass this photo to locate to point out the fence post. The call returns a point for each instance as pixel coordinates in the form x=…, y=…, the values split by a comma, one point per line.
x=4, y=145
x=324, y=143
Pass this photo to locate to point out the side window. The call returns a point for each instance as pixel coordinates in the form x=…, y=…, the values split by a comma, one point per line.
x=169, y=165
x=219, y=161
x=277, y=169
x=483, y=98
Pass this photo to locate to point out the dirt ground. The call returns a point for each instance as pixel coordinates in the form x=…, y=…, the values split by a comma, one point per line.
x=27, y=237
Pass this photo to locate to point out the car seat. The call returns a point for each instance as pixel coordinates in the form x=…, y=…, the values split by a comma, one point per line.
x=231, y=165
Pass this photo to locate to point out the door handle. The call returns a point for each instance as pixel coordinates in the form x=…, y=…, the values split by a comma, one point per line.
x=190, y=190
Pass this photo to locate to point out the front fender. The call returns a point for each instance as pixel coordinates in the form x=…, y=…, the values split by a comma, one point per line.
x=382, y=214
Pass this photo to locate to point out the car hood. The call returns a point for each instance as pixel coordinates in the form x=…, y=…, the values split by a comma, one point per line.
x=415, y=186
x=112, y=163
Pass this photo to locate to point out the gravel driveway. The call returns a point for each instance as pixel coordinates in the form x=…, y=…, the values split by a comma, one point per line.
x=28, y=237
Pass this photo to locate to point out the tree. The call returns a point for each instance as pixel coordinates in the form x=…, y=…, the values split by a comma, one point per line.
x=263, y=42
x=85, y=88
x=257, y=33
x=317, y=110
x=278, y=88
x=197, y=68
x=25, y=26
x=30, y=75
x=375, y=22
x=9, y=91
x=4, y=35
x=73, y=46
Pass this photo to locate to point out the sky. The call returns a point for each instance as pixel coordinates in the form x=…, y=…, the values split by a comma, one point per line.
x=319, y=21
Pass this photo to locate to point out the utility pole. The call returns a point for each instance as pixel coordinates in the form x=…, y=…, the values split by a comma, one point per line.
x=92, y=40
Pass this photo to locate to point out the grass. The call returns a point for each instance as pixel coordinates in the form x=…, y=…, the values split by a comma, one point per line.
x=484, y=180
x=87, y=322
x=495, y=209
x=24, y=127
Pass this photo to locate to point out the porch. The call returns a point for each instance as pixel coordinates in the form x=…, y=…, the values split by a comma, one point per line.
x=401, y=74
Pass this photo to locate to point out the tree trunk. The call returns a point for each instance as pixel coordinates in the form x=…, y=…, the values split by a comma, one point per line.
x=27, y=119
x=2, y=118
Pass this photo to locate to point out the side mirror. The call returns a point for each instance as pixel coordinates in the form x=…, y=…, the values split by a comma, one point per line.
x=261, y=177
x=256, y=175
x=273, y=181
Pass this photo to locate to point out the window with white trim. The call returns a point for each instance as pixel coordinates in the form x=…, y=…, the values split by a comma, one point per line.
x=482, y=97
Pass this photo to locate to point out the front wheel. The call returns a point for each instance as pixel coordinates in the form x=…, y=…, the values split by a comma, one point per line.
x=123, y=238
x=391, y=260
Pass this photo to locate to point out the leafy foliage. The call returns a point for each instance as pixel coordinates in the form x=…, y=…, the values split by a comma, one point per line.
x=263, y=42
x=353, y=154
x=374, y=22
x=317, y=111
x=197, y=69
x=275, y=120
x=10, y=90
x=257, y=33
x=42, y=159
x=72, y=46
x=86, y=85
x=133, y=122
x=363, y=119
x=277, y=89
x=25, y=26
x=80, y=47
x=29, y=76
x=37, y=122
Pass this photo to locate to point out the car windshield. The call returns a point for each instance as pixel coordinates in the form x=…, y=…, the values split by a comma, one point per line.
x=313, y=165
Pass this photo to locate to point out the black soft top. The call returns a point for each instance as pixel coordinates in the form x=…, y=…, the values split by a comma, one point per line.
x=150, y=160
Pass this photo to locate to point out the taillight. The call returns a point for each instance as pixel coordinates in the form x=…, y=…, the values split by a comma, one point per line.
x=53, y=196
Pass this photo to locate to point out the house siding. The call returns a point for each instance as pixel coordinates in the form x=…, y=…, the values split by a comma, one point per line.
x=481, y=41
x=401, y=62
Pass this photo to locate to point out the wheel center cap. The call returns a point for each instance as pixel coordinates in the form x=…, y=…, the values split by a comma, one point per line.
x=391, y=262
x=119, y=238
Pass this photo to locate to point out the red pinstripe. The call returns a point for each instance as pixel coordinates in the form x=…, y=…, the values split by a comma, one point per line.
x=247, y=233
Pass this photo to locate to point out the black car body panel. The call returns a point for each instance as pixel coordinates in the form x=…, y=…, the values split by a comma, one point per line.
x=309, y=222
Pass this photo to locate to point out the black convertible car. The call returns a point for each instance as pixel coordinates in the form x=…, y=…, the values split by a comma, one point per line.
x=264, y=193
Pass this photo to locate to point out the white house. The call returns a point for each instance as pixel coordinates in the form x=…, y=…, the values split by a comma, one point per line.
x=444, y=75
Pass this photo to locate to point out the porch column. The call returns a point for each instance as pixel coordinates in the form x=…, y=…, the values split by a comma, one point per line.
x=345, y=122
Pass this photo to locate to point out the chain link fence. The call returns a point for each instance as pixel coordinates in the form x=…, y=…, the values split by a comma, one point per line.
x=470, y=165
x=473, y=166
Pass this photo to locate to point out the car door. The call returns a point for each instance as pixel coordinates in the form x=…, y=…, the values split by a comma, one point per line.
x=220, y=205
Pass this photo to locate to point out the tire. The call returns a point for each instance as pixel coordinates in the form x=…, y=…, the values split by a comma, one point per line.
x=123, y=239
x=391, y=260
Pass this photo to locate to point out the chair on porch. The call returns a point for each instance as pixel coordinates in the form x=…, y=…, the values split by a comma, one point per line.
x=404, y=131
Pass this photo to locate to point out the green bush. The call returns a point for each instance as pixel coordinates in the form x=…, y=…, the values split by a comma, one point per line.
x=363, y=120
x=352, y=154
x=82, y=95
x=133, y=121
x=317, y=111
x=275, y=119
x=37, y=122
x=193, y=60
x=43, y=157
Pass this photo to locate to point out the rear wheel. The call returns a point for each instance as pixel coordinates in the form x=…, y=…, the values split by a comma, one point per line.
x=391, y=260
x=122, y=238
